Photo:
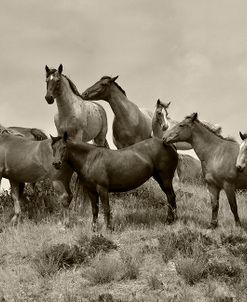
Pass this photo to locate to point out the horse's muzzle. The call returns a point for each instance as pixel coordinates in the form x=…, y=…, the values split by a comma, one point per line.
x=49, y=99
x=84, y=95
x=240, y=168
x=57, y=165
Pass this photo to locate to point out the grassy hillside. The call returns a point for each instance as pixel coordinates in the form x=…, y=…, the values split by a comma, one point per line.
x=142, y=260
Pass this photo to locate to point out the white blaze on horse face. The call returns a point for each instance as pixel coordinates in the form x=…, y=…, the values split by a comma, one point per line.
x=241, y=160
x=51, y=77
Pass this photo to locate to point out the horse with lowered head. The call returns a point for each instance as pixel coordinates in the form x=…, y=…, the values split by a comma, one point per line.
x=218, y=157
x=103, y=170
x=131, y=124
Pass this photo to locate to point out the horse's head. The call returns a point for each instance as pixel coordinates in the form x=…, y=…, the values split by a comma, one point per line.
x=53, y=78
x=159, y=115
x=58, y=145
x=100, y=90
x=181, y=132
x=242, y=155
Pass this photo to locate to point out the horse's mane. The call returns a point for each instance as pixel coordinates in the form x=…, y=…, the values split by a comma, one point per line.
x=213, y=130
x=71, y=84
x=118, y=86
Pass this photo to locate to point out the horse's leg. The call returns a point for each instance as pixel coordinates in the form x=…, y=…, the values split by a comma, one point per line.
x=100, y=139
x=231, y=196
x=15, y=190
x=166, y=186
x=104, y=197
x=214, y=193
x=94, y=198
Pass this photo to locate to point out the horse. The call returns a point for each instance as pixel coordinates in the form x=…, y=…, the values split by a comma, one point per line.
x=131, y=124
x=159, y=124
x=28, y=161
x=103, y=170
x=218, y=157
x=81, y=119
x=241, y=159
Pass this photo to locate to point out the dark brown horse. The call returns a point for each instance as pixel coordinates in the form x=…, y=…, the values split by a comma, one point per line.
x=103, y=170
x=131, y=124
x=218, y=157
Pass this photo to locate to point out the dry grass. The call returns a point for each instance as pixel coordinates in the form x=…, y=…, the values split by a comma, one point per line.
x=142, y=260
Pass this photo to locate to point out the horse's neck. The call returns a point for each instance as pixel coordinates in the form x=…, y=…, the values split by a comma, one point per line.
x=204, y=142
x=65, y=98
x=156, y=127
x=119, y=103
x=76, y=152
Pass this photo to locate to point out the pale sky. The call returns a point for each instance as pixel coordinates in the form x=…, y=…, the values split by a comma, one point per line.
x=192, y=53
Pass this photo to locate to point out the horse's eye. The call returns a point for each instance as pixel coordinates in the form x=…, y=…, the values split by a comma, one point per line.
x=181, y=125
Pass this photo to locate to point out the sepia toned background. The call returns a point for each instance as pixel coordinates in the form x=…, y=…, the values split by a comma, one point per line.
x=192, y=53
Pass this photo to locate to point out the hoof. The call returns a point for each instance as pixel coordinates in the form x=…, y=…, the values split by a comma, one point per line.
x=170, y=220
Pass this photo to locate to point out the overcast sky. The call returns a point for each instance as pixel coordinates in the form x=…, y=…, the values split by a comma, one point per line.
x=192, y=53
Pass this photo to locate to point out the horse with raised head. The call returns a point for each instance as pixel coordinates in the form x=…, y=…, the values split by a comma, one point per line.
x=103, y=170
x=81, y=119
x=131, y=124
x=28, y=161
x=218, y=157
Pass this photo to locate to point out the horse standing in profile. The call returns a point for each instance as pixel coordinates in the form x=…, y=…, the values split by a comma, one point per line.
x=218, y=157
x=103, y=170
x=83, y=120
x=27, y=161
x=131, y=124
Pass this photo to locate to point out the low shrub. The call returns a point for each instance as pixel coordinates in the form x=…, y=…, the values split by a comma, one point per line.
x=191, y=269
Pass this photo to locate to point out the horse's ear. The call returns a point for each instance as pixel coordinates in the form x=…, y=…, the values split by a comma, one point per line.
x=60, y=68
x=114, y=79
x=194, y=116
x=158, y=102
x=243, y=136
x=167, y=104
x=65, y=136
x=47, y=69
